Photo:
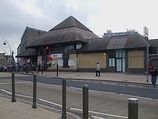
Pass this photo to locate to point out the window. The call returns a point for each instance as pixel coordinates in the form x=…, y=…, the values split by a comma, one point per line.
x=78, y=46
x=68, y=48
x=111, y=62
x=120, y=53
x=71, y=47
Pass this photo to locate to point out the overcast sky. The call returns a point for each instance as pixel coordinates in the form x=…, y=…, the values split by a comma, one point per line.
x=98, y=15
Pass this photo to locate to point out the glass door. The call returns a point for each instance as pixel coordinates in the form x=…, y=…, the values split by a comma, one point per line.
x=118, y=65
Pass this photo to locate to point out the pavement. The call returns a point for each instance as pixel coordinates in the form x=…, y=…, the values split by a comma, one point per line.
x=20, y=110
x=23, y=110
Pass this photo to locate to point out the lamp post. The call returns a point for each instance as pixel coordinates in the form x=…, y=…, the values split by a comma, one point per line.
x=5, y=52
x=5, y=41
x=147, y=58
x=146, y=33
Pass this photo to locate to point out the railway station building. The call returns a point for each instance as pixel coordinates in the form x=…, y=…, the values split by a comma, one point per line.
x=72, y=46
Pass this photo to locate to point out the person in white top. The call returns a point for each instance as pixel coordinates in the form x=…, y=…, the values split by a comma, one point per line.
x=98, y=69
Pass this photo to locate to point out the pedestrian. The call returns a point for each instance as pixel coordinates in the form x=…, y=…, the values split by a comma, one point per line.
x=24, y=68
x=98, y=69
x=153, y=76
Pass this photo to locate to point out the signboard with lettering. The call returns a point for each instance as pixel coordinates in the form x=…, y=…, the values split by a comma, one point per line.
x=56, y=55
x=146, y=31
x=54, y=63
x=60, y=62
x=71, y=62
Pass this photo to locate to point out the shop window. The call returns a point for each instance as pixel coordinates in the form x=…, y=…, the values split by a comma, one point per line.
x=120, y=53
x=68, y=48
x=152, y=50
x=111, y=62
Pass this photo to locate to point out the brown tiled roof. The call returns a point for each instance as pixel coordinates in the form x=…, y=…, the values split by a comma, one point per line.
x=70, y=22
x=136, y=41
x=69, y=30
x=118, y=42
x=153, y=42
x=29, y=36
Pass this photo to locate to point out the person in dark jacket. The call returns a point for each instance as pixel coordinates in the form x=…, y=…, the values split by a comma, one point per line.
x=153, y=76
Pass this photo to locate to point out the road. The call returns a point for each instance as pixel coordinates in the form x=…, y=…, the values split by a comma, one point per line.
x=115, y=87
x=108, y=100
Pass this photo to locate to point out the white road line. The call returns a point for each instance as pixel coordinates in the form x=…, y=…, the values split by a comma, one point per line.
x=110, y=115
x=5, y=91
x=75, y=88
x=24, y=96
x=11, y=83
x=16, y=94
x=145, y=98
x=50, y=102
x=105, y=114
x=32, y=97
x=95, y=117
x=47, y=107
x=76, y=109
x=112, y=93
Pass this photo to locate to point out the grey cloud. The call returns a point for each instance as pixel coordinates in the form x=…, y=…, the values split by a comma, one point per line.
x=14, y=19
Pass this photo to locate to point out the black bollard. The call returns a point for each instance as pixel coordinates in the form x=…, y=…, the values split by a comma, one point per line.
x=132, y=108
x=13, y=87
x=64, y=99
x=42, y=71
x=34, y=90
x=37, y=70
x=57, y=70
x=85, y=102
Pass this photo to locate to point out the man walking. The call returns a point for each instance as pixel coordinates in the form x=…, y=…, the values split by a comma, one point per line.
x=98, y=69
x=153, y=76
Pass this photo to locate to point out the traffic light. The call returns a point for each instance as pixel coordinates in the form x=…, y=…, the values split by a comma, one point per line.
x=47, y=47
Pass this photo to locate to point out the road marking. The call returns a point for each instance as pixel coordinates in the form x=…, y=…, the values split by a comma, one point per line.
x=112, y=93
x=75, y=88
x=95, y=117
x=11, y=83
x=32, y=97
x=47, y=107
x=50, y=102
x=5, y=91
x=76, y=109
x=136, y=96
x=16, y=94
x=105, y=114
x=144, y=98
x=24, y=96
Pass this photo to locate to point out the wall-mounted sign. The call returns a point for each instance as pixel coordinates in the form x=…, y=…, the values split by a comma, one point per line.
x=71, y=62
x=60, y=62
x=56, y=55
x=54, y=63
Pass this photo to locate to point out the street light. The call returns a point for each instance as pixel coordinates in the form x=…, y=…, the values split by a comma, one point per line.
x=147, y=58
x=4, y=43
x=146, y=33
x=5, y=52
